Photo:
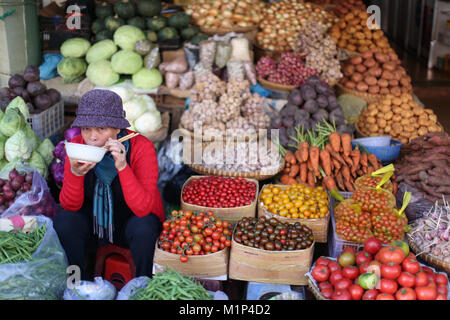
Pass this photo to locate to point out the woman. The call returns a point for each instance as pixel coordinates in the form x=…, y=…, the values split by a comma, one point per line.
x=116, y=199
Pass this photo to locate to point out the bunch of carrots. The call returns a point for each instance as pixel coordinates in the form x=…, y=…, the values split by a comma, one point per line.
x=323, y=156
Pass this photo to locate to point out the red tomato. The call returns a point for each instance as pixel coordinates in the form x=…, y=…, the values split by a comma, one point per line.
x=421, y=279
x=350, y=272
x=324, y=285
x=385, y=296
x=349, y=249
x=362, y=257
x=327, y=292
x=441, y=289
x=406, y=279
x=342, y=284
x=356, y=291
x=320, y=273
x=323, y=261
x=372, y=245
x=341, y=295
x=427, y=269
x=410, y=265
x=405, y=294
x=334, y=266
x=441, y=279
x=441, y=297
x=335, y=277
x=363, y=268
x=183, y=258
x=431, y=277
x=390, y=270
x=388, y=286
x=391, y=254
x=370, y=294
x=426, y=293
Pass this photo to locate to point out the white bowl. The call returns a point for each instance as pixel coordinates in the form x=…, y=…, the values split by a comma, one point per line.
x=84, y=152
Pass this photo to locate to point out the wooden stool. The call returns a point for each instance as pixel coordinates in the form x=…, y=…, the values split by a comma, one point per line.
x=115, y=264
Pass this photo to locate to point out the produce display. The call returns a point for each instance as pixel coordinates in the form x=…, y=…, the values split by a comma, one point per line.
x=215, y=14
x=283, y=20
x=352, y=34
x=296, y=201
x=378, y=273
x=219, y=192
x=430, y=234
x=28, y=86
x=289, y=70
x=424, y=165
x=376, y=73
x=325, y=157
x=347, y=6
x=400, y=117
x=171, y=285
x=189, y=233
x=320, y=51
x=273, y=235
x=224, y=108
x=18, y=142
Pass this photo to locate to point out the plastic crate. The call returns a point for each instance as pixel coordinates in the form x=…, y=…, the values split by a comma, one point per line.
x=336, y=244
x=48, y=122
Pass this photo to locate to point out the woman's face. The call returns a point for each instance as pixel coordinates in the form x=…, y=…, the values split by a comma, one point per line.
x=97, y=136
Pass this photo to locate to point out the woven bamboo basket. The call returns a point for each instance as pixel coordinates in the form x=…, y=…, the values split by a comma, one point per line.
x=319, y=227
x=438, y=264
x=275, y=86
x=261, y=52
x=223, y=138
x=369, y=98
x=232, y=215
x=315, y=291
x=160, y=134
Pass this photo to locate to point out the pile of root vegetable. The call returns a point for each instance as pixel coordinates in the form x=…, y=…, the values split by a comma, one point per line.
x=424, y=164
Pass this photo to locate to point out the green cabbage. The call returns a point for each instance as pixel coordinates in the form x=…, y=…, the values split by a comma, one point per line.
x=2, y=146
x=75, y=47
x=17, y=146
x=126, y=36
x=37, y=162
x=147, y=79
x=3, y=163
x=148, y=122
x=20, y=105
x=45, y=149
x=72, y=69
x=8, y=167
x=102, y=50
x=134, y=108
x=32, y=139
x=101, y=73
x=12, y=122
x=1, y=114
x=126, y=62
x=131, y=127
x=124, y=90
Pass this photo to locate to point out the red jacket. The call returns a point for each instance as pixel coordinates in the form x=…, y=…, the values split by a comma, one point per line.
x=138, y=181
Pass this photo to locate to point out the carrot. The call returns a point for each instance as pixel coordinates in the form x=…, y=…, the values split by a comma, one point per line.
x=364, y=159
x=292, y=181
x=303, y=171
x=310, y=168
x=295, y=169
x=340, y=181
x=314, y=155
x=359, y=172
x=373, y=161
x=370, y=170
x=335, y=141
x=336, y=164
x=334, y=154
x=346, y=173
x=346, y=141
x=286, y=170
x=303, y=147
x=310, y=179
x=356, y=157
x=298, y=156
x=325, y=160
x=289, y=157
x=349, y=186
x=329, y=183
x=285, y=179
x=298, y=179
x=348, y=160
x=365, y=170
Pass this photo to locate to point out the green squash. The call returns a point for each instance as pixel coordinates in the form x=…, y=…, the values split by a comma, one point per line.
x=199, y=37
x=179, y=20
x=168, y=33
x=112, y=23
x=103, y=10
x=138, y=22
x=126, y=9
x=149, y=8
x=157, y=23
x=189, y=33
x=151, y=35
x=97, y=26
x=103, y=35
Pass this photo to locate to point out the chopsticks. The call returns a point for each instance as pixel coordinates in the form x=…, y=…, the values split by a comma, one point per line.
x=127, y=137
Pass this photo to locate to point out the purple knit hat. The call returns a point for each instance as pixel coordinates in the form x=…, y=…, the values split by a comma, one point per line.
x=101, y=108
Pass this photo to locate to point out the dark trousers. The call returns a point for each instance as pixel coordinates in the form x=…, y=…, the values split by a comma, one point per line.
x=75, y=232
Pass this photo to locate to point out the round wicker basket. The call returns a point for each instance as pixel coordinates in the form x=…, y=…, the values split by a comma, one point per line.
x=438, y=264
x=315, y=291
x=369, y=98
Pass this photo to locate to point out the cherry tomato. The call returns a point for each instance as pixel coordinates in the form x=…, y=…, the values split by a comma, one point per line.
x=183, y=258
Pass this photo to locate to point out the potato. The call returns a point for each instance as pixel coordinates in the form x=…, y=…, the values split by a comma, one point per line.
x=348, y=70
x=370, y=80
x=350, y=85
x=396, y=91
x=372, y=106
x=404, y=82
x=393, y=83
x=371, y=120
x=387, y=128
x=384, y=91
x=388, y=115
x=369, y=63
x=397, y=74
x=405, y=122
x=422, y=131
x=396, y=101
x=362, y=87
x=374, y=128
x=396, y=118
x=351, y=48
x=407, y=114
x=356, y=60
x=404, y=140
x=397, y=110
x=390, y=66
x=383, y=83
x=397, y=127
x=387, y=75
x=356, y=77
x=409, y=129
x=368, y=54
x=405, y=106
x=375, y=71
x=429, y=111
x=360, y=68
x=424, y=122
x=433, y=118
x=416, y=124
x=381, y=123
x=374, y=89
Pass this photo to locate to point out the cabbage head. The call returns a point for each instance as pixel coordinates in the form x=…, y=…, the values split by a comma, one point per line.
x=45, y=149
x=126, y=36
x=3, y=163
x=147, y=79
x=150, y=103
x=75, y=47
x=102, y=50
x=12, y=122
x=124, y=91
x=17, y=146
x=2, y=146
x=126, y=62
x=72, y=69
x=148, y=122
x=37, y=162
x=20, y=105
x=134, y=108
x=32, y=139
x=8, y=166
x=102, y=74
x=131, y=127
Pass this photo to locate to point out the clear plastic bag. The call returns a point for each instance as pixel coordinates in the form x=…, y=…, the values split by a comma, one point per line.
x=131, y=286
x=223, y=53
x=41, y=278
x=153, y=59
x=99, y=289
x=37, y=201
x=207, y=53
x=187, y=80
x=417, y=206
x=235, y=70
x=192, y=55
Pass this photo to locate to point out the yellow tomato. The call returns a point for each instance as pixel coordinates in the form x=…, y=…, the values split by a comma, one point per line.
x=283, y=213
x=276, y=190
x=293, y=211
x=295, y=215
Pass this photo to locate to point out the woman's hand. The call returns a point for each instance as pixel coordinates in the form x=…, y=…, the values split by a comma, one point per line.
x=118, y=152
x=80, y=168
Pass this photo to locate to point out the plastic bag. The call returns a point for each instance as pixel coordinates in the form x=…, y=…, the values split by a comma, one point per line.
x=200, y=70
x=417, y=206
x=250, y=72
x=223, y=54
x=192, y=55
x=87, y=290
x=131, y=286
x=187, y=80
x=37, y=201
x=152, y=59
x=41, y=278
x=171, y=80
x=240, y=49
x=48, y=69
x=235, y=70
x=207, y=53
